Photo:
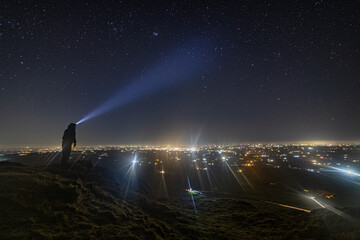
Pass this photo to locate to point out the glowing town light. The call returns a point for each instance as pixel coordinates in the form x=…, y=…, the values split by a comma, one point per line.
x=182, y=64
x=134, y=161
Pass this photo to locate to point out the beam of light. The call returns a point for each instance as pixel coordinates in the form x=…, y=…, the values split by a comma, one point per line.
x=317, y=202
x=234, y=175
x=74, y=162
x=246, y=179
x=129, y=175
x=52, y=157
x=213, y=180
x=341, y=170
x=342, y=214
x=347, y=171
x=336, y=211
x=96, y=163
x=183, y=64
x=209, y=178
x=191, y=194
x=199, y=175
x=163, y=183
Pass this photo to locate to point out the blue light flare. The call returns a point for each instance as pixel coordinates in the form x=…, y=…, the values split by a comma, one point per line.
x=347, y=171
x=183, y=64
x=191, y=194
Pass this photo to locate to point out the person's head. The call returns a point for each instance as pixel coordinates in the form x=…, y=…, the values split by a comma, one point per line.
x=72, y=125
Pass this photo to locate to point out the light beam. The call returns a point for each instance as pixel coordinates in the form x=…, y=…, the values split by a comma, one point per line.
x=191, y=194
x=317, y=202
x=181, y=65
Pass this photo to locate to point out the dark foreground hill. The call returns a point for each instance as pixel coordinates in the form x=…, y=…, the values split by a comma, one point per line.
x=88, y=203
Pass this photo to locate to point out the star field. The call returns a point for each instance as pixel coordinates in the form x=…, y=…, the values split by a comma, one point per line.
x=280, y=71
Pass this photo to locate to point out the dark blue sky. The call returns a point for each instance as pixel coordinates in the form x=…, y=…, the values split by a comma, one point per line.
x=275, y=71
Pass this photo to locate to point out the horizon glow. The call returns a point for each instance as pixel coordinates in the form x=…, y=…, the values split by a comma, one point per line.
x=178, y=66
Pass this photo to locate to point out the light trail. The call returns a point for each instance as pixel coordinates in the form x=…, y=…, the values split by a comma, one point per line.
x=288, y=206
x=321, y=205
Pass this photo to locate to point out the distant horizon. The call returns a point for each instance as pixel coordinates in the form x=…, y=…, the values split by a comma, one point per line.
x=315, y=142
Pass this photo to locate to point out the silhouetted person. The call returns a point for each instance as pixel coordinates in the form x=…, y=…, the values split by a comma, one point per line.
x=67, y=140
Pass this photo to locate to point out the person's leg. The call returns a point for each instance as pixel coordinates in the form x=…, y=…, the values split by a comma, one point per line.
x=65, y=156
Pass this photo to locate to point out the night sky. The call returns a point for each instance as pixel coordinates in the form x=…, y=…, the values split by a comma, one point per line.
x=273, y=71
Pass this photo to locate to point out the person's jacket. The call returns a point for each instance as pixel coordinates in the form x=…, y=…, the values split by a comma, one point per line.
x=69, y=137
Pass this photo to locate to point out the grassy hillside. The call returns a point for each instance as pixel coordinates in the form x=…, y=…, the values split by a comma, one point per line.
x=87, y=203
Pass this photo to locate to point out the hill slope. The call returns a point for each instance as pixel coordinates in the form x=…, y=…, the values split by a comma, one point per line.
x=87, y=203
